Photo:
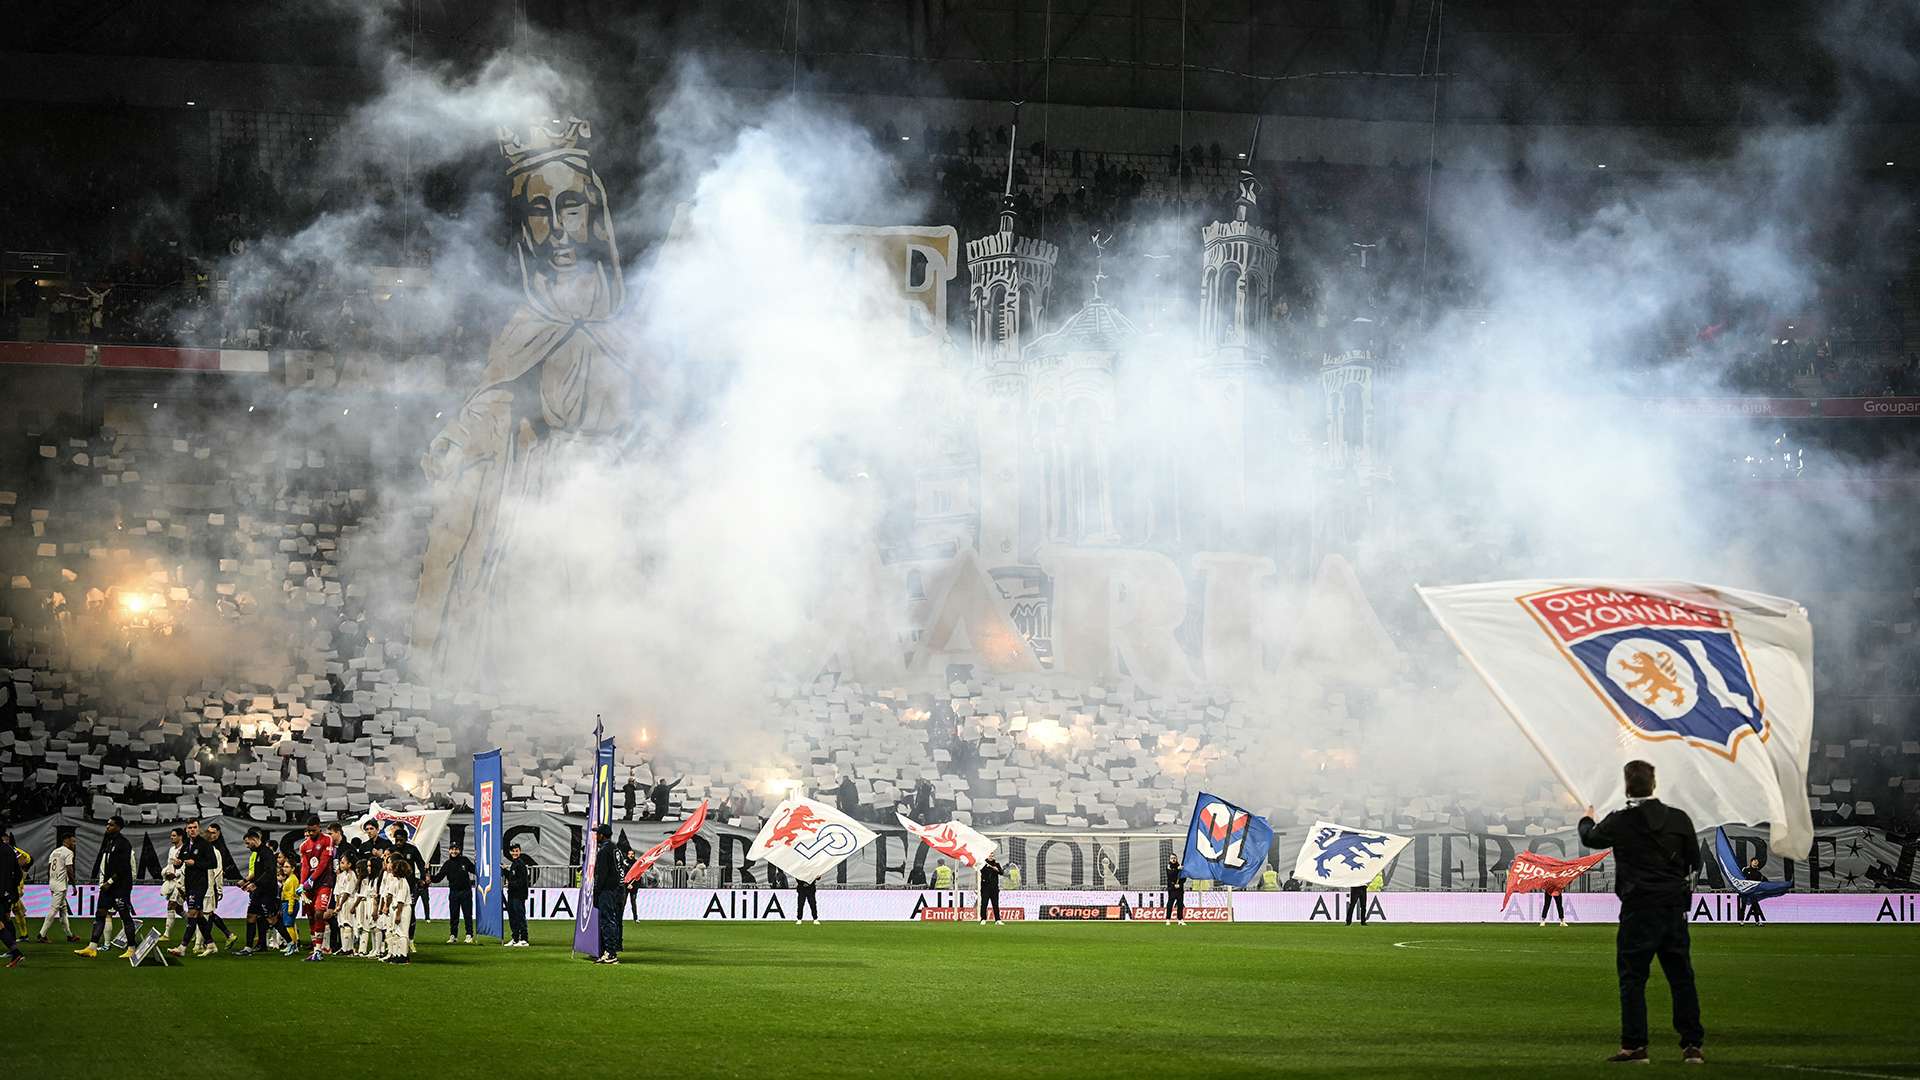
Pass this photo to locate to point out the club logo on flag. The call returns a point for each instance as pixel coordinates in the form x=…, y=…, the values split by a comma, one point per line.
x=957, y=841
x=1225, y=843
x=1342, y=857
x=806, y=838
x=1666, y=669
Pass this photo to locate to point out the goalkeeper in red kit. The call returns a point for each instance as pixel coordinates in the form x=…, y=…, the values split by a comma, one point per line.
x=316, y=882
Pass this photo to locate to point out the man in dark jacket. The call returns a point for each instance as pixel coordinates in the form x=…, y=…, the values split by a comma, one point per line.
x=116, y=889
x=608, y=892
x=1655, y=854
x=1176, y=891
x=262, y=885
x=405, y=848
x=1749, y=906
x=457, y=872
x=517, y=873
x=990, y=872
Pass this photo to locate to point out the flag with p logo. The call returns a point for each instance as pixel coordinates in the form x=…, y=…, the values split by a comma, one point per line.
x=1225, y=843
x=487, y=824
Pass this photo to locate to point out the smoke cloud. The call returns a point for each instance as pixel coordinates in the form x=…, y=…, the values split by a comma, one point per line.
x=684, y=567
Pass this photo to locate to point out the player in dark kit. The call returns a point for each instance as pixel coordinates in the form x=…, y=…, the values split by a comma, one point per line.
x=116, y=889
x=1657, y=854
x=457, y=872
x=316, y=882
x=990, y=872
x=1176, y=892
x=262, y=886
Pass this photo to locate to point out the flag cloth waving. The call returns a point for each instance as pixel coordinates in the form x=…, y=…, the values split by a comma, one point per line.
x=1533, y=872
x=1713, y=686
x=806, y=839
x=1340, y=858
x=1225, y=843
x=1737, y=874
x=679, y=838
x=953, y=839
x=424, y=827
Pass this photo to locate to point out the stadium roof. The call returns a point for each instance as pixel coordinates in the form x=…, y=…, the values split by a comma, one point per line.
x=1703, y=62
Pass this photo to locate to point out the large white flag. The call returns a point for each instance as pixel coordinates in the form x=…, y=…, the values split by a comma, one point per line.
x=806, y=838
x=1340, y=857
x=1713, y=686
x=424, y=827
x=953, y=839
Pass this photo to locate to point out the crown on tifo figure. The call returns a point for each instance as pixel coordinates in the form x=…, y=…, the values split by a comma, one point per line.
x=547, y=140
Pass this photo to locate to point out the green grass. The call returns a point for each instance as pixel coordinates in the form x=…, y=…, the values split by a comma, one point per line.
x=770, y=1001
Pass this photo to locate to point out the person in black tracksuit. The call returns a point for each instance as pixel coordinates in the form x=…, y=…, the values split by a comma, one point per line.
x=457, y=872
x=405, y=849
x=1749, y=906
x=806, y=894
x=608, y=893
x=1656, y=854
x=1176, y=890
x=262, y=886
x=990, y=872
x=116, y=887
x=517, y=872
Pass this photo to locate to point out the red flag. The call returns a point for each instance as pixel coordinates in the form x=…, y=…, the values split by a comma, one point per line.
x=1532, y=872
x=679, y=838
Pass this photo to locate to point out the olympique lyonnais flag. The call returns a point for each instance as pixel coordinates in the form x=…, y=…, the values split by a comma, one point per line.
x=1712, y=685
x=586, y=925
x=488, y=821
x=805, y=839
x=679, y=838
x=955, y=840
x=1736, y=874
x=1532, y=872
x=424, y=827
x=1340, y=857
x=1225, y=843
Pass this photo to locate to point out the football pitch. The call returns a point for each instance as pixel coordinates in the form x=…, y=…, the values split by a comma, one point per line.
x=772, y=1000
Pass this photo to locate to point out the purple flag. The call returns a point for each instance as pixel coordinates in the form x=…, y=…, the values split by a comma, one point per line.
x=586, y=925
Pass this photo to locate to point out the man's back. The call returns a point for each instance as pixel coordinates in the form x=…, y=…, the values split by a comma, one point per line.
x=1655, y=851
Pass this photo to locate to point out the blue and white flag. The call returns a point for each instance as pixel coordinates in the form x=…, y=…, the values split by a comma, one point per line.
x=488, y=821
x=1339, y=857
x=1736, y=874
x=1225, y=843
x=1712, y=685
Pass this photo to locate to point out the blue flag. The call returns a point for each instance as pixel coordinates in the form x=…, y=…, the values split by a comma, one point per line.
x=586, y=925
x=1736, y=874
x=1225, y=843
x=488, y=821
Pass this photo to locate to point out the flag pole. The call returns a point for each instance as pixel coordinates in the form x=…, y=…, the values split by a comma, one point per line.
x=1506, y=703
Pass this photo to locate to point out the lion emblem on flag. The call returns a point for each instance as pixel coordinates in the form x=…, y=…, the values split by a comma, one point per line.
x=1667, y=668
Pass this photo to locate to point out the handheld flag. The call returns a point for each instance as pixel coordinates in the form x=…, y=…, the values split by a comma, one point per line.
x=424, y=828
x=955, y=840
x=1225, y=843
x=1340, y=858
x=1736, y=875
x=488, y=825
x=805, y=839
x=1713, y=686
x=678, y=840
x=1531, y=871
x=586, y=924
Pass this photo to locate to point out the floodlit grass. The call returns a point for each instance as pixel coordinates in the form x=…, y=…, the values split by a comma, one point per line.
x=774, y=1000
